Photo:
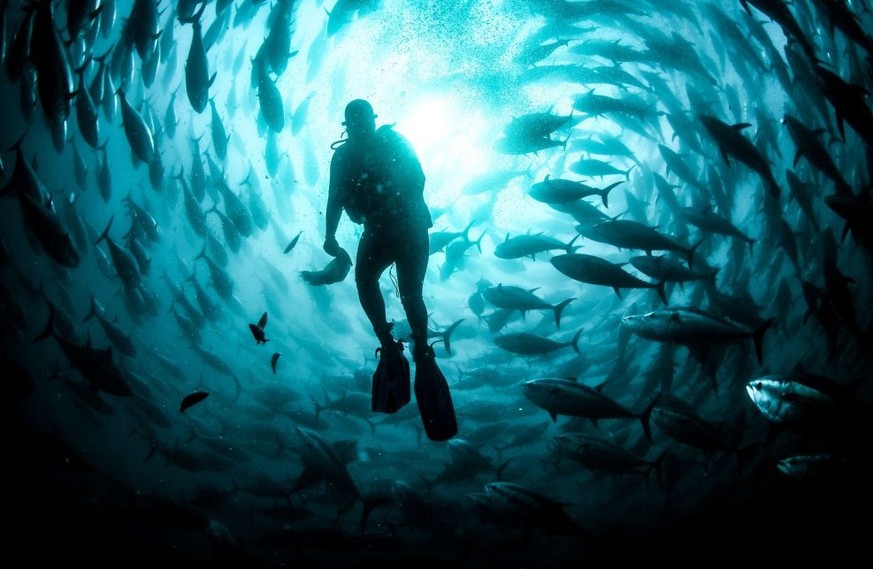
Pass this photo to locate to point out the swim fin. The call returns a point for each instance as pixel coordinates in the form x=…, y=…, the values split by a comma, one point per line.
x=434, y=399
x=391, y=380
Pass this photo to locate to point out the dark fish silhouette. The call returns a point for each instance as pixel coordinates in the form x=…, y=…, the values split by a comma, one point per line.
x=97, y=366
x=563, y=191
x=528, y=245
x=197, y=79
x=274, y=360
x=594, y=270
x=731, y=143
x=192, y=399
x=292, y=244
x=258, y=332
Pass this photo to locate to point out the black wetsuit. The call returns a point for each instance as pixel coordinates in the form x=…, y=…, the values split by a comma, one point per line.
x=380, y=184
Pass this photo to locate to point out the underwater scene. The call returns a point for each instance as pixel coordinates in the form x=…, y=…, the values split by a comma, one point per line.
x=649, y=284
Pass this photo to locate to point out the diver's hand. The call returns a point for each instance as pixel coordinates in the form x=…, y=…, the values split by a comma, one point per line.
x=331, y=247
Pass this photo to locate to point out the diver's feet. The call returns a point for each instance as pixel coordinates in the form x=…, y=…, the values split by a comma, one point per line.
x=391, y=381
x=423, y=352
x=433, y=396
x=386, y=337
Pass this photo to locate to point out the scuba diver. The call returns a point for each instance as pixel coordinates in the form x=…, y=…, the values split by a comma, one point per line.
x=376, y=177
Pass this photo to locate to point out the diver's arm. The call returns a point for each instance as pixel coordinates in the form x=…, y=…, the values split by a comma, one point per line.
x=333, y=212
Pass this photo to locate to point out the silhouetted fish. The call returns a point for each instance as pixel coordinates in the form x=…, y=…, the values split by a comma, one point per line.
x=192, y=399
x=258, y=330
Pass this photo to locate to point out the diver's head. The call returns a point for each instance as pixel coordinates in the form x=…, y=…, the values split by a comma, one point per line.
x=360, y=119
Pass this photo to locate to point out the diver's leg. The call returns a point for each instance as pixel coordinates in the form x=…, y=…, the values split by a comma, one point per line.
x=411, y=268
x=372, y=260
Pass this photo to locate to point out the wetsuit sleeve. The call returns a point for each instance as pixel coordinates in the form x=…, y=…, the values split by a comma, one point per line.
x=334, y=198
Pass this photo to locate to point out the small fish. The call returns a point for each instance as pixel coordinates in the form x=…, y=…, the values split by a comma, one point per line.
x=292, y=244
x=815, y=466
x=258, y=330
x=192, y=399
x=274, y=360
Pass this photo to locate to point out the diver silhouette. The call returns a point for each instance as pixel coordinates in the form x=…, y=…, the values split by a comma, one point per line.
x=377, y=179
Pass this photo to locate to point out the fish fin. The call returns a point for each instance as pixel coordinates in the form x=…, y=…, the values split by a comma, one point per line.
x=840, y=124
x=308, y=478
x=645, y=417
x=575, y=341
x=105, y=234
x=48, y=330
x=559, y=308
x=92, y=312
x=662, y=292
x=448, y=334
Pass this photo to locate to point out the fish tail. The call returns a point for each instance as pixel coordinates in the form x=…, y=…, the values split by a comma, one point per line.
x=662, y=292
x=570, y=248
x=369, y=505
x=82, y=69
x=759, y=338
x=575, y=341
x=691, y=252
x=559, y=308
x=447, y=335
x=105, y=234
x=711, y=276
x=247, y=181
x=49, y=327
x=202, y=253
x=604, y=193
x=659, y=464
x=466, y=233
x=101, y=59
x=195, y=17
x=92, y=311
x=646, y=416
x=478, y=242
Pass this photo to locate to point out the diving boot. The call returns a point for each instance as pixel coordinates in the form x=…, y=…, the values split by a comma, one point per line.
x=391, y=379
x=433, y=397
